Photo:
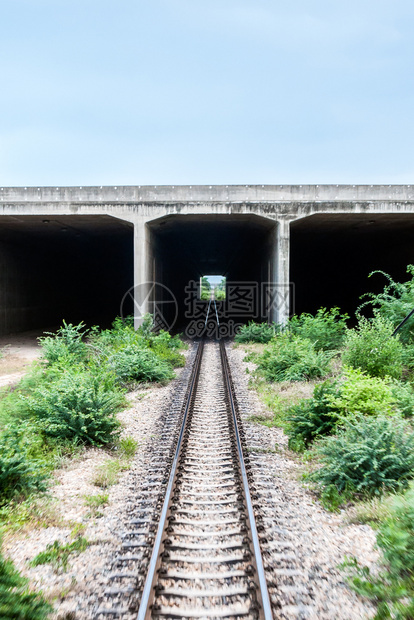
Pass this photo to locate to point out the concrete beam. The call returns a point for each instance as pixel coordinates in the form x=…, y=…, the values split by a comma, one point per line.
x=208, y=193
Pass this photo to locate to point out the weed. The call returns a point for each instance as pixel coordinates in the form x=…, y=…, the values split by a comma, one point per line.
x=392, y=589
x=77, y=530
x=326, y=330
x=332, y=500
x=292, y=358
x=58, y=554
x=394, y=303
x=107, y=474
x=360, y=393
x=127, y=447
x=96, y=501
x=369, y=455
x=256, y=332
x=372, y=511
x=141, y=365
x=66, y=344
x=403, y=394
x=32, y=513
x=19, y=474
x=76, y=407
x=370, y=347
x=312, y=417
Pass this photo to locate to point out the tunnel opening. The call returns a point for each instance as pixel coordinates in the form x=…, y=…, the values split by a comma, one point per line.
x=332, y=255
x=212, y=286
x=72, y=268
x=239, y=248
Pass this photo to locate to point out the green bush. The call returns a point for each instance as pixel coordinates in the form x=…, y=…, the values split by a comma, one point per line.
x=147, y=327
x=368, y=455
x=312, y=417
x=326, y=329
x=394, y=303
x=292, y=358
x=392, y=588
x=256, y=332
x=166, y=347
x=15, y=599
x=65, y=344
x=141, y=365
x=76, y=406
x=403, y=394
x=20, y=473
x=371, y=348
x=360, y=393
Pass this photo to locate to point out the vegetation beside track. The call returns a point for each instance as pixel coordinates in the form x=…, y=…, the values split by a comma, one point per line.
x=345, y=398
x=69, y=400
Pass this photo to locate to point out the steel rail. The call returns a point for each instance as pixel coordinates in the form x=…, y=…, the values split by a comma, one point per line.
x=144, y=612
x=263, y=593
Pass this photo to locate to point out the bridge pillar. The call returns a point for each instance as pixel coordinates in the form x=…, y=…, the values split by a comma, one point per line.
x=142, y=276
x=280, y=306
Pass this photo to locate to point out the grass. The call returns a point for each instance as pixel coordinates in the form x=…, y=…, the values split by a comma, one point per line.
x=107, y=474
x=373, y=511
x=58, y=555
x=30, y=514
x=127, y=447
x=95, y=502
x=278, y=397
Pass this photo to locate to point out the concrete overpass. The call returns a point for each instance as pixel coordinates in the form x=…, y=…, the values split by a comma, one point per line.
x=73, y=252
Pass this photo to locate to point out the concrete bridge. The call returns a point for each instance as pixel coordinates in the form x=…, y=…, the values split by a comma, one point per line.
x=73, y=252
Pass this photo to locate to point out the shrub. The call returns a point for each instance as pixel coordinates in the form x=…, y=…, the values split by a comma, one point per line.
x=142, y=365
x=76, y=406
x=326, y=329
x=360, y=393
x=292, y=358
x=392, y=589
x=256, y=332
x=147, y=326
x=312, y=417
x=15, y=599
x=65, y=344
x=166, y=347
x=20, y=474
x=394, y=303
x=403, y=394
x=371, y=347
x=368, y=455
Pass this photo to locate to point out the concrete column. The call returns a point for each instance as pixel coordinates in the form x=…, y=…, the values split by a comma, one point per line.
x=280, y=304
x=142, y=268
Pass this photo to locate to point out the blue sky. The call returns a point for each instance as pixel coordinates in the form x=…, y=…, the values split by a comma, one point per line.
x=104, y=92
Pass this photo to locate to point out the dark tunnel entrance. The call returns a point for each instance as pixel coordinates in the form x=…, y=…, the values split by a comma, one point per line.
x=66, y=267
x=240, y=248
x=331, y=257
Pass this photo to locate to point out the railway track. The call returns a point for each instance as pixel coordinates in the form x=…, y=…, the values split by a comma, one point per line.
x=206, y=560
